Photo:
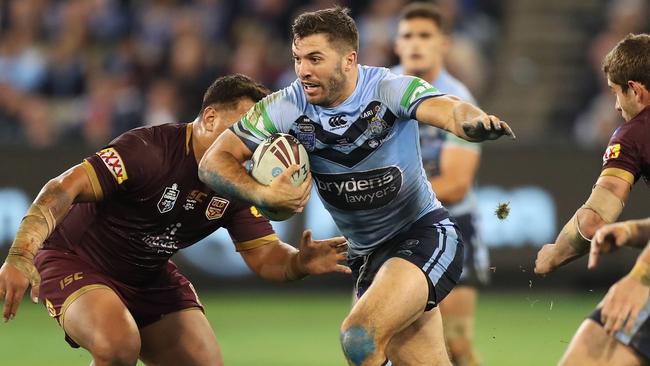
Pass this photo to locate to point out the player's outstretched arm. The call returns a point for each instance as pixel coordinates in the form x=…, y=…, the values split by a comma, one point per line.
x=221, y=168
x=282, y=262
x=49, y=207
x=463, y=119
x=603, y=206
x=634, y=233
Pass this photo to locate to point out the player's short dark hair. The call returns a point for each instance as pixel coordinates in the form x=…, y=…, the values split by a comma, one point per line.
x=335, y=22
x=629, y=61
x=427, y=10
x=230, y=89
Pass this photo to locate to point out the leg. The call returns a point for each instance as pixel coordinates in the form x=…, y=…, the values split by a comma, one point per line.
x=397, y=298
x=98, y=321
x=458, y=319
x=421, y=343
x=591, y=346
x=181, y=338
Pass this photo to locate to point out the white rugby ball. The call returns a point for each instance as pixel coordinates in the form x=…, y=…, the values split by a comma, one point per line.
x=271, y=158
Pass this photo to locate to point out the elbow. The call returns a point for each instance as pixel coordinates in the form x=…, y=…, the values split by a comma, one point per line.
x=589, y=222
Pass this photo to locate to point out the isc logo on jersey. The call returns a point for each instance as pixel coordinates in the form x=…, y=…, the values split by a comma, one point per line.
x=272, y=157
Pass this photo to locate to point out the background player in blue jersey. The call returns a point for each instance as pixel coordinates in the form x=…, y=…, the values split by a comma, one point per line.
x=600, y=340
x=359, y=125
x=451, y=164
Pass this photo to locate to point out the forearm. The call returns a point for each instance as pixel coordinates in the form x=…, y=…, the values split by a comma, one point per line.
x=281, y=264
x=639, y=231
x=223, y=173
x=577, y=233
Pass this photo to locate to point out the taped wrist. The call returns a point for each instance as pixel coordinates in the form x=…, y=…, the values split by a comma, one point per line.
x=292, y=270
x=605, y=203
x=641, y=271
x=574, y=236
x=23, y=260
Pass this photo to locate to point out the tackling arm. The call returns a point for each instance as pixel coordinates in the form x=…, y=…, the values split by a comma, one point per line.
x=462, y=119
x=603, y=206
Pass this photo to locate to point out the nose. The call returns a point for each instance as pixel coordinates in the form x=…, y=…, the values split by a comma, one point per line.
x=303, y=70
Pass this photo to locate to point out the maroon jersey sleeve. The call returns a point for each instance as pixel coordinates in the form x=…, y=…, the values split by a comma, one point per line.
x=127, y=164
x=249, y=229
x=623, y=156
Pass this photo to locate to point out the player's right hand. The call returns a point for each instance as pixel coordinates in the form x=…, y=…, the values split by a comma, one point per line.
x=552, y=256
x=607, y=239
x=622, y=304
x=487, y=127
x=282, y=194
x=13, y=283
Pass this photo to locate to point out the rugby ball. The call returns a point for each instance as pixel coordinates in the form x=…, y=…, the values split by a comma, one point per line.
x=272, y=157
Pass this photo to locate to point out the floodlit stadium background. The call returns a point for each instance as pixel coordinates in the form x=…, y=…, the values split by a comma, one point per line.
x=74, y=74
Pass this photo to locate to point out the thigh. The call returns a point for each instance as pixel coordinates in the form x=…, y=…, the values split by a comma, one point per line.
x=461, y=302
x=395, y=299
x=181, y=338
x=592, y=346
x=420, y=344
x=98, y=321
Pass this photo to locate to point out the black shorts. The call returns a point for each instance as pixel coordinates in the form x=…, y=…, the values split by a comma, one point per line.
x=639, y=339
x=477, y=258
x=432, y=243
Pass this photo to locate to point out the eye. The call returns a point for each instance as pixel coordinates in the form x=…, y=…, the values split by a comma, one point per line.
x=316, y=60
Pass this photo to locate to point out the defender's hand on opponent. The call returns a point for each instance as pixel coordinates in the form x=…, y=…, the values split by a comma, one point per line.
x=487, y=127
x=608, y=239
x=322, y=256
x=622, y=304
x=283, y=194
x=13, y=283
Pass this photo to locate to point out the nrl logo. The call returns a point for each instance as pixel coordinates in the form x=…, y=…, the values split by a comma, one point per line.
x=216, y=208
x=168, y=198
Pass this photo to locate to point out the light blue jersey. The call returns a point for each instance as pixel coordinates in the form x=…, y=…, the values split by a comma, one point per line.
x=364, y=153
x=432, y=139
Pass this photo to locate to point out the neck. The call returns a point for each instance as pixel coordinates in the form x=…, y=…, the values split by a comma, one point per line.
x=429, y=75
x=199, y=145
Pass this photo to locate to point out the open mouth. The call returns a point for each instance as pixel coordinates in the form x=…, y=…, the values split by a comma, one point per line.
x=310, y=87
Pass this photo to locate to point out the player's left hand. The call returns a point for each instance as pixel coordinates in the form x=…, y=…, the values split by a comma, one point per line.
x=607, y=239
x=622, y=304
x=322, y=256
x=487, y=127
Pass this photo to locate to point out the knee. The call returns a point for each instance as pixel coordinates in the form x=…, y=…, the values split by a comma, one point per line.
x=358, y=343
x=116, y=350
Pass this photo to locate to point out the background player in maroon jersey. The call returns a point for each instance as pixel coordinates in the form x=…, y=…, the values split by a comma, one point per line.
x=107, y=227
x=598, y=341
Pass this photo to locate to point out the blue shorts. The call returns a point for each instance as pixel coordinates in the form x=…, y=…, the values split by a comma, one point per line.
x=639, y=338
x=432, y=243
x=476, y=263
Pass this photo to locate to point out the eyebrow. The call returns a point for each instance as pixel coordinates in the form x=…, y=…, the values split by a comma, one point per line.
x=314, y=53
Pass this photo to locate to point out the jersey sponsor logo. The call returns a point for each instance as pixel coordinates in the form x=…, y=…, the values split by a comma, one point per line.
x=612, y=152
x=360, y=190
x=216, y=208
x=415, y=90
x=114, y=163
x=337, y=122
x=168, y=198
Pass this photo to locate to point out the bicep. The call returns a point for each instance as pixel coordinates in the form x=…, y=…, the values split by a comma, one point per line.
x=228, y=142
x=76, y=182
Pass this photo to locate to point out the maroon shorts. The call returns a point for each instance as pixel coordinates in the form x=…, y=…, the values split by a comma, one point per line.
x=65, y=277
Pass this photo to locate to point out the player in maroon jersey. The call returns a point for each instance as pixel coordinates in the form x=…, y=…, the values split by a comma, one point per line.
x=107, y=228
x=600, y=339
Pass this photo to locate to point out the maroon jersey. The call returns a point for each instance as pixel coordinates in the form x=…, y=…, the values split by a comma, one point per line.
x=628, y=152
x=151, y=204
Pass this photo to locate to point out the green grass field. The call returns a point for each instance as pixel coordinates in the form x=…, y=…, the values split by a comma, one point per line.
x=266, y=329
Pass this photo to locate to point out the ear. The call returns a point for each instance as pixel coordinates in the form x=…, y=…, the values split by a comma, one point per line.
x=350, y=60
x=209, y=118
x=639, y=90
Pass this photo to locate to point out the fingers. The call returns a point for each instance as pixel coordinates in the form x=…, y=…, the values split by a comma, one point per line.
x=342, y=269
x=9, y=304
x=34, y=292
x=594, y=252
x=507, y=130
x=616, y=321
x=631, y=319
x=342, y=256
x=337, y=241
